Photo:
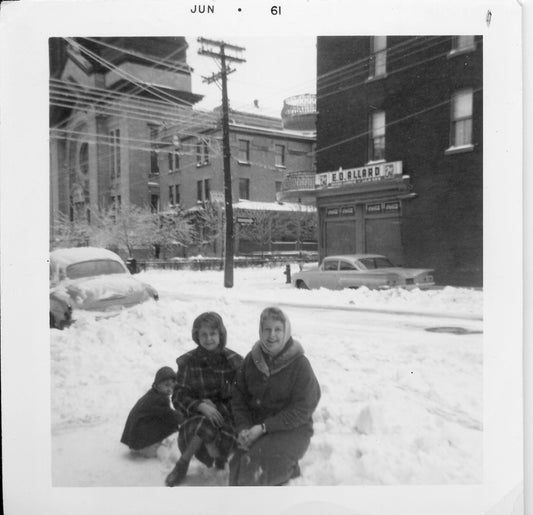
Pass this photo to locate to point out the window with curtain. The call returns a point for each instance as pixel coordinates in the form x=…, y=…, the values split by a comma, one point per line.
x=376, y=151
x=378, y=56
x=461, y=122
x=244, y=151
x=279, y=152
x=244, y=189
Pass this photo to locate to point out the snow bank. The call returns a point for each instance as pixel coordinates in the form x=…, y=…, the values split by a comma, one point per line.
x=399, y=405
x=268, y=284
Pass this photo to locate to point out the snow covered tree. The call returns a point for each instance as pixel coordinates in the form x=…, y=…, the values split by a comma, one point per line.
x=125, y=228
x=175, y=231
x=69, y=233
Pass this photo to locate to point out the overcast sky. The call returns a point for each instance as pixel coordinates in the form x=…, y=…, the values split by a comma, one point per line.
x=275, y=68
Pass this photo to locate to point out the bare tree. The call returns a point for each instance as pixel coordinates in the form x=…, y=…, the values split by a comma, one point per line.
x=209, y=223
x=261, y=230
x=298, y=226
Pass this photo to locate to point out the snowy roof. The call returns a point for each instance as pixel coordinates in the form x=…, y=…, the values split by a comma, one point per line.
x=273, y=206
x=65, y=257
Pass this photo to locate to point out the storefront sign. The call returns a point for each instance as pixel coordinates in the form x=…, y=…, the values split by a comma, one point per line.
x=386, y=207
x=392, y=206
x=373, y=173
x=332, y=211
x=347, y=211
x=373, y=209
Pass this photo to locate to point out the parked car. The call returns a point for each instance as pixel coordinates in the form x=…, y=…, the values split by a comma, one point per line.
x=353, y=271
x=93, y=279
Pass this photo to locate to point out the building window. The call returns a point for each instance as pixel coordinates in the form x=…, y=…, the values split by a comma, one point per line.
x=114, y=136
x=177, y=194
x=203, y=190
x=244, y=189
x=207, y=189
x=171, y=196
x=202, y=152
x=278, y=186
x=461, y=126
x=199, y=191
x=462, y=43
x=378, y=56
x=173, y=161
x=83, y=158
x=279, y=151
x=154, y=151
x=244, y=151
x=377, y=136
x=154, y=202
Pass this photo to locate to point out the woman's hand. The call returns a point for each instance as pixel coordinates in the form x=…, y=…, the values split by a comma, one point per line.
x=248, y=436
x=209, y=410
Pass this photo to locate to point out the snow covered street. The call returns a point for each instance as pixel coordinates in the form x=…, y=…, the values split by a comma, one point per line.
x=400, y=372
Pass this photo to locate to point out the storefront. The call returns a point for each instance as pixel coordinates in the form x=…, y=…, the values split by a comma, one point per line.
x=360, y=210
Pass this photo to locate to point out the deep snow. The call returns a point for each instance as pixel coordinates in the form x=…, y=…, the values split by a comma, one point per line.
x=400, y=405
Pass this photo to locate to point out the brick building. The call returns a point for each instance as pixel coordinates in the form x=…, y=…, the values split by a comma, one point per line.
x=262, y=151
x=400, y=151
x=109, y=98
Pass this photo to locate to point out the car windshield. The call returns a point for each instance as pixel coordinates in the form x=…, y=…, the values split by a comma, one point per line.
x=94, y=267
x=377, y=262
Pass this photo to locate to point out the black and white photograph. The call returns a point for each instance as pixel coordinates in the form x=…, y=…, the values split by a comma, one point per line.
x=270, y=255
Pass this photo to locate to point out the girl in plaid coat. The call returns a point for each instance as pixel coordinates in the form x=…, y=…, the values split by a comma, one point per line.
x=203, y=393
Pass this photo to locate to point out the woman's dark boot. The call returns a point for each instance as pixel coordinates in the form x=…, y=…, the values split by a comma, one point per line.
x=178, y=473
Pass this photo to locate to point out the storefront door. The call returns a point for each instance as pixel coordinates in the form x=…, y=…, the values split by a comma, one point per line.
x=383, y=236
x=340, y=237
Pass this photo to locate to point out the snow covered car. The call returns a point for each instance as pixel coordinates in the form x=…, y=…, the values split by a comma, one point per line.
x=94, y=279
x=353, y=271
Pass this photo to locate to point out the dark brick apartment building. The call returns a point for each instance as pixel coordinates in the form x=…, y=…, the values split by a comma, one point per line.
x=400, y=151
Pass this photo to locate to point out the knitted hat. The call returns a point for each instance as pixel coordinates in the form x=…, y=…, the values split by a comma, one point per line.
x=209, y=319
x=163, y=374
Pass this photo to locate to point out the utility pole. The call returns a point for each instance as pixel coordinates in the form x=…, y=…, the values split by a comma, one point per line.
x=217, y=49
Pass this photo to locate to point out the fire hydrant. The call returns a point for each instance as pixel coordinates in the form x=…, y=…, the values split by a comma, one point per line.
x=288, y=273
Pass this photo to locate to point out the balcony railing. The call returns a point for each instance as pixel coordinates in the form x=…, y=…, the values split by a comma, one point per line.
x=297, y=185
x=299, y=112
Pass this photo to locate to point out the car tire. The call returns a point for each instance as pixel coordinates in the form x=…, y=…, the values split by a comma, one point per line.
x=301, y=285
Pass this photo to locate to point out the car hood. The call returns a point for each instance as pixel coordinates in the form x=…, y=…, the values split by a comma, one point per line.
x=103, y=292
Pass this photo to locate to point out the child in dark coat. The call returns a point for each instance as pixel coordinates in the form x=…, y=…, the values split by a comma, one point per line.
x=153, y=417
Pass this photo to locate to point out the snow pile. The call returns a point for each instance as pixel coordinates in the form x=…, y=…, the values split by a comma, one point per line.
x=269, y=283
x=399, y=405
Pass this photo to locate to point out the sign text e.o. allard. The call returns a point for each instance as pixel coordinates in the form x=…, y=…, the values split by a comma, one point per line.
x=369, y=173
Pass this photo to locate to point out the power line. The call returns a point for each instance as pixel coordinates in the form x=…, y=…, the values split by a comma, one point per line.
x=145, y=57
x=394, y=122
x=393, y=72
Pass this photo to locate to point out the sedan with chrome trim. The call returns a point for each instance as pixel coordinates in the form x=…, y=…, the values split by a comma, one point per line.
x=94, y=279
x=373, y=271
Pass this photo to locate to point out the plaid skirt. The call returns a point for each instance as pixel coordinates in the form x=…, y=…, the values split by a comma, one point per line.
x=223, y=437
